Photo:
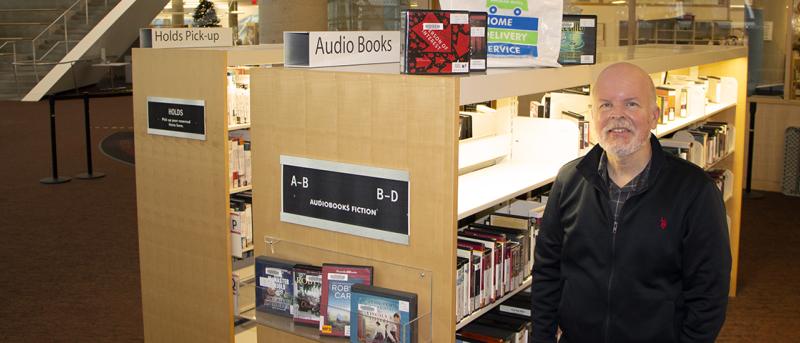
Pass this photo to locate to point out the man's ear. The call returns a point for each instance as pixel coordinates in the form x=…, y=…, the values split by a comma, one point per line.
x=654, y=117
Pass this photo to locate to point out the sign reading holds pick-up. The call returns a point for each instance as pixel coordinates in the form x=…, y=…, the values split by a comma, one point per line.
x=354, y=199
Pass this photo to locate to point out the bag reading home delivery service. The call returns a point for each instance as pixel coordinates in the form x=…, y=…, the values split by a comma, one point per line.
x=522, y=33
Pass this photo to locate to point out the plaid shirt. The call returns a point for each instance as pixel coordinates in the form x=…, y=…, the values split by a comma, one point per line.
x=619, y=195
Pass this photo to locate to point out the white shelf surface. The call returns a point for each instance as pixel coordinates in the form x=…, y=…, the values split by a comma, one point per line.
x=487, y=308
x=239, y=127
x=679, y=123
x=487, y=187
x=241, y=189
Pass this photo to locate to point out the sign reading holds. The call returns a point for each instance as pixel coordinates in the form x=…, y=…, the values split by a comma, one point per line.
x=338, y=48
x=358, y=200
x=176, y=117
x=187, y=37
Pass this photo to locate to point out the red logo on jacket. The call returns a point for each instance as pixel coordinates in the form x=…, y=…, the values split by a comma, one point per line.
x=663, y=223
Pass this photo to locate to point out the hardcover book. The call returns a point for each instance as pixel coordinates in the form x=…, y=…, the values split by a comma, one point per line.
x=383, y=315
x=337, y=280
x=578, y=39
x=307, y=294
x=274, y=291
x=478, y=26
x=434, y=42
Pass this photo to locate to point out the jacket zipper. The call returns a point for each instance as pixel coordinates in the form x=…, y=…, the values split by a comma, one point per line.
x=610, y=277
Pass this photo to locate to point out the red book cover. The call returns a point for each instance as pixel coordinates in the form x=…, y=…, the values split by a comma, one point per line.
x=435, y=42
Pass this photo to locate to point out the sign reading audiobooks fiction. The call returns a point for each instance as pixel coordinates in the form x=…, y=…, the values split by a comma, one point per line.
x=337, y=48
x=186, y=37
x=354, y=199
x=182, y=118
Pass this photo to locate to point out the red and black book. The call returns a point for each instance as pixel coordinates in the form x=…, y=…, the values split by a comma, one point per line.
x=435, y=42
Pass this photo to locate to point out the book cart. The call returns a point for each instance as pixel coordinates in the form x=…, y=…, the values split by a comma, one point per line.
x=361, y=115
x=373, y=116
x=183, y=191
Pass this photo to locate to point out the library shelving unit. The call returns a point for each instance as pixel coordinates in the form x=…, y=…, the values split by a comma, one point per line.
x=183, y=193
x=373, y=116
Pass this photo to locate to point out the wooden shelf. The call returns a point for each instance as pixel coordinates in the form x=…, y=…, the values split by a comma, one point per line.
x=241, y=189
x=487, y=308
x=239, y=127
x=724, y=157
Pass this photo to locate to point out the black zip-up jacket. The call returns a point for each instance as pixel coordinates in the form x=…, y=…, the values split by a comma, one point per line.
x=662, y=277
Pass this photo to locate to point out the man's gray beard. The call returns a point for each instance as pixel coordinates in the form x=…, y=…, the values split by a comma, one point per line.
x=624, y=150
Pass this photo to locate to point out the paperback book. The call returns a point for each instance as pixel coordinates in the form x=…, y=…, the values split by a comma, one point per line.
x=307, y=294
x=382, y=315
x=478, y=29
x=434, y=42
x=337, y=280
x=274, y=291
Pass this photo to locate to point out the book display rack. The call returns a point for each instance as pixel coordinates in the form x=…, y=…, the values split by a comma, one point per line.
x=369, y=116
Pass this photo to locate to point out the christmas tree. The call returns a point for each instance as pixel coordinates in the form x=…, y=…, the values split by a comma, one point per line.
x=205, y=15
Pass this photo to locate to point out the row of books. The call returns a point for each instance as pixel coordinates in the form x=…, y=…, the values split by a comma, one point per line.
x=339, y=299
x=703, y=145
x=508, y=323
x=239, y=162
x=496, y=256
x=238, y=96
x=241, y=226
x=455, y=42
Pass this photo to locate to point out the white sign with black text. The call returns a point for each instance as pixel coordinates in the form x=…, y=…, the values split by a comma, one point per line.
x=186, y=37
x=338, y=48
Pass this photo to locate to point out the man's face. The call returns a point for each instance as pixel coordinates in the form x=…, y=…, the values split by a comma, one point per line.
x=623, y=111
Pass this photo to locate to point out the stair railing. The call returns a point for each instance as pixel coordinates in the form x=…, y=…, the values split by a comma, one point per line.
x=64, y=17
x=13, y=54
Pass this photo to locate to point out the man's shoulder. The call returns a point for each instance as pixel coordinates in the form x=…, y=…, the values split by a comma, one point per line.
x=686, y=175
x=569, y=169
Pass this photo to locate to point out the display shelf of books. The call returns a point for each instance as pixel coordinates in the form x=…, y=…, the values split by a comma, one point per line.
x=327, y=295
x=373, y=116
x=185, y=204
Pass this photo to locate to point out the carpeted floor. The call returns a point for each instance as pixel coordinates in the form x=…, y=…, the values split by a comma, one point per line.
x=69, y=260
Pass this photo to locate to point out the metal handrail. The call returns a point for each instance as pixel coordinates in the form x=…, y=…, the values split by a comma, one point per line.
x=54, y=47
x=13, y=61
x=63, y=16
x=34, y=63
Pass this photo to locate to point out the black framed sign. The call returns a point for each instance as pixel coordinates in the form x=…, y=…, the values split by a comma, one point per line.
x=354, y=199
x=182, y=118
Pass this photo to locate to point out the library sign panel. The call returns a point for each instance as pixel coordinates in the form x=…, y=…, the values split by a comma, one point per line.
x=358, y=200
x=176, y=117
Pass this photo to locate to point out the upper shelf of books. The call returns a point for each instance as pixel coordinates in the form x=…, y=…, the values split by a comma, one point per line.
x=498, y=83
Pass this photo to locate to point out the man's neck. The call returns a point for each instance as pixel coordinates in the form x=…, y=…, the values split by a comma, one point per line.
x=622, y=169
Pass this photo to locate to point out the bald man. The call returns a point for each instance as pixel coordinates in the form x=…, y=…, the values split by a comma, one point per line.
x=634, y=242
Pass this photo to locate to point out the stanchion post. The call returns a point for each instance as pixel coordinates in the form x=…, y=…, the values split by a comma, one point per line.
x=748, y=193
x=89, y=174
x=54, y=179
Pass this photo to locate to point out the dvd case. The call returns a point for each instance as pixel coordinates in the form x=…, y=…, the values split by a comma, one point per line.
x=383, y=315
x=578, y=39
x=434, y=42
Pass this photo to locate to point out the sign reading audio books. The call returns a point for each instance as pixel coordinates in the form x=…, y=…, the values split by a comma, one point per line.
x=182, y=118
x=354, y=199
x=337, y=48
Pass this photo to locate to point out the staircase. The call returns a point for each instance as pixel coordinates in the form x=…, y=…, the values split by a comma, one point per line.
x=48, y=46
